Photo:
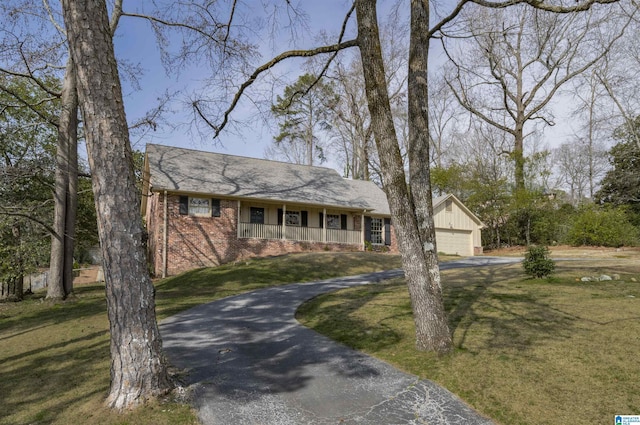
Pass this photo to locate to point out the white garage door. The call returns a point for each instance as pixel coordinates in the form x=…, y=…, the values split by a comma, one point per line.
x=455, y=242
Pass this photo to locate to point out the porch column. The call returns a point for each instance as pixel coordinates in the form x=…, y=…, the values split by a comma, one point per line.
x=239, y=231
x=324, y=225
x=284, y=221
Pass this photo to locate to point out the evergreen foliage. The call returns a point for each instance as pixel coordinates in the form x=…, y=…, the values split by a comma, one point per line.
x=537, y=262
x=602, y=226
x=303, y=112
x=621, y=184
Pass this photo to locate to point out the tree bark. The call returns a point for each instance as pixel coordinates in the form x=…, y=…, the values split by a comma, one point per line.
x=138, y=368
x=66, y=190
x=438, y=336
x=428, y=317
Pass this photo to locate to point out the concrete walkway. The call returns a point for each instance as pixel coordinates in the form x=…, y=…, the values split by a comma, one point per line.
x=249, y=361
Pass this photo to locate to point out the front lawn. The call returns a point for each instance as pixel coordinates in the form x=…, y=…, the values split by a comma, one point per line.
x=527, y=351
x=54, y=358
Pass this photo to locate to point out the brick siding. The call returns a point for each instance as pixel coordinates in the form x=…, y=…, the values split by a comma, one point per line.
x=194, y=242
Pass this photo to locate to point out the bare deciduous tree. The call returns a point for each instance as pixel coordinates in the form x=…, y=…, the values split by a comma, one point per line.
x=521, y=58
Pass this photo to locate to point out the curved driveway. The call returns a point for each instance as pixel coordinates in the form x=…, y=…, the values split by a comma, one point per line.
x=249, y=361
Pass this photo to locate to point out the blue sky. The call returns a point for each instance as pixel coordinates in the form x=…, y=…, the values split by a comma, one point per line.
x=136, y=43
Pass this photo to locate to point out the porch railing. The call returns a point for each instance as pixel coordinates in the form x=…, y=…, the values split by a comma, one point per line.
x=296, y=233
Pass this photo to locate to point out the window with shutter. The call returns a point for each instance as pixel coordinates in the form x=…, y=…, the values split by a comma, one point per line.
x=333, y=221
x=257, y=215
x=184, y=205
x=387, y=231
x=376, y=231
x=200, y=207
x=215, y=207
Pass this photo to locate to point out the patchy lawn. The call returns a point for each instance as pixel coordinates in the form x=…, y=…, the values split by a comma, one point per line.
x=527, y=351
x=54, y=358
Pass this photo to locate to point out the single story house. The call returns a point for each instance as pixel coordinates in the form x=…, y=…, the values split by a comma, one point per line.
x=203, y=209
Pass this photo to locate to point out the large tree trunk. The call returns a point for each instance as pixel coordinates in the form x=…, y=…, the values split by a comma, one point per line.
x=438, y=336
x=66, y=190
x=138, y=368
x=428, y=314
x=518, y=158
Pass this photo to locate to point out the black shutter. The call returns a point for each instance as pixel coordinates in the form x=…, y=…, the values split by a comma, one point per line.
x=367, y=229
x=184, y=205
x=387, y=231
x=343, y=221
x=215, y=207
x=321, y=220
x=304, y=218
x=280, y=219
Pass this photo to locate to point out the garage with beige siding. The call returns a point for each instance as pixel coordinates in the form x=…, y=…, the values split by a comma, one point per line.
x=457, y=228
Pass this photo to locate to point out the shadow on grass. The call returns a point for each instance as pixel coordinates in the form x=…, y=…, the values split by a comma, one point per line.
x=36, y=312
x=52, y=377
x=337, y=319
x=485, y=310
x=515, y=314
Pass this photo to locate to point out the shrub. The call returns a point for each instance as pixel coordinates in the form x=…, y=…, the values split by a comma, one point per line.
x=599, y=226
x=537, y=262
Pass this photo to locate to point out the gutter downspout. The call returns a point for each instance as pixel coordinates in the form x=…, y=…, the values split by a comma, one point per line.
x=165, y=237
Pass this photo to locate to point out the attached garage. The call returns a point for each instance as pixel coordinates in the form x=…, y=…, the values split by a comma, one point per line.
x=457, y=228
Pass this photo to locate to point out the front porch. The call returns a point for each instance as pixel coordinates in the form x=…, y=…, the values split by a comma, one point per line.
x=298, y=233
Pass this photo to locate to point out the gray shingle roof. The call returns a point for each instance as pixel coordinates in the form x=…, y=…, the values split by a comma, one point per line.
x=191, y=171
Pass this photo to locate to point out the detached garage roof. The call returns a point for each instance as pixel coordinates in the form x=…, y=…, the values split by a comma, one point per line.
x=440, y=200
x=191, y=171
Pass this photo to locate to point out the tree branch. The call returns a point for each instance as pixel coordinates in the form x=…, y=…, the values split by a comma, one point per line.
x=46, y=117
x=231, y=15
x=539, y=4
x=265, y=67
x=115, y=16
x=4, y=211
x=326, y=65
x=182, y=25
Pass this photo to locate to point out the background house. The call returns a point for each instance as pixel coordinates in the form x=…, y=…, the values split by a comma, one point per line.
x=205, y=209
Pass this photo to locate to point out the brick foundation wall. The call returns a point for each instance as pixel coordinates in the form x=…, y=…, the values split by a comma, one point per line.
x=195, y=242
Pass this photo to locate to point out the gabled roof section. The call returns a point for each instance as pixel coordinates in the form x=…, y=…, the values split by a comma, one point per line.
x=186, y=170
x=440, y=199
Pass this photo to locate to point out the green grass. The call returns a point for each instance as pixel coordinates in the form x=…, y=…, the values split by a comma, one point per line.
x=196, y=287
x=527, y=351
x=54, y=358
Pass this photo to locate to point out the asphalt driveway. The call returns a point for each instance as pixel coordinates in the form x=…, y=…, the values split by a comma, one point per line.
x=248, y=361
